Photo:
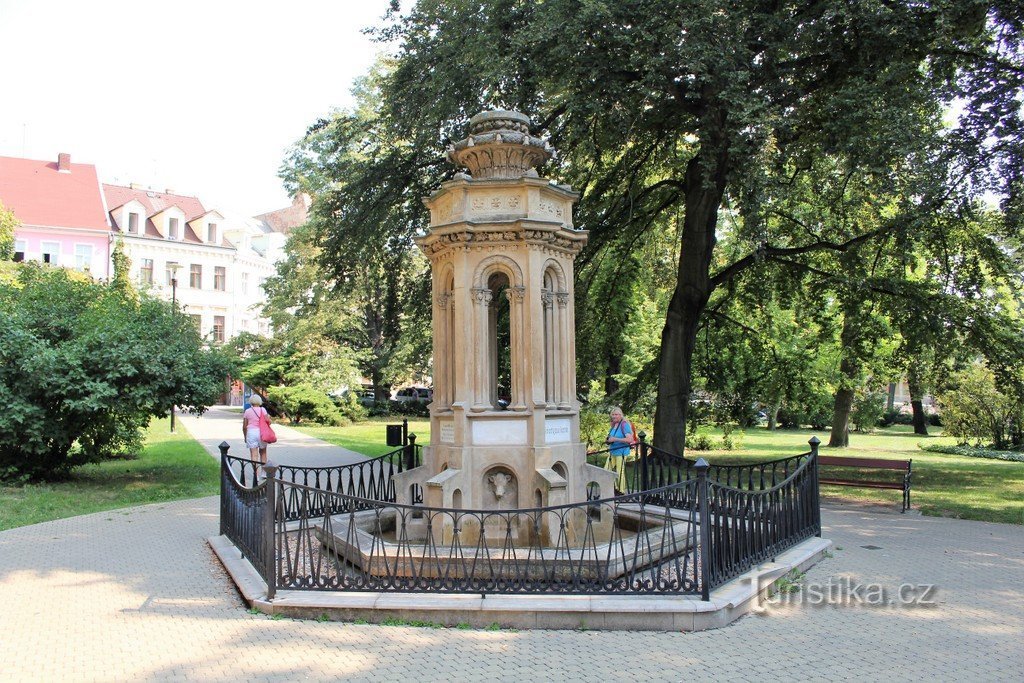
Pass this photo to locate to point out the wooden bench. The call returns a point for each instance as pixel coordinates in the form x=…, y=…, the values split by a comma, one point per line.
x=869, y=463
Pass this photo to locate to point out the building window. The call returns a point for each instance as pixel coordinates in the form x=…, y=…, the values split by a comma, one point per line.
x=20, y=247
x=218, y=328
x=51, y=252
x=146, y=271
x=220, y=277
x=133, y=223
x=211, y=233
x=245, y=283
x=195, y=276
x=197, y=320
x=172, y=229
x=83, y=257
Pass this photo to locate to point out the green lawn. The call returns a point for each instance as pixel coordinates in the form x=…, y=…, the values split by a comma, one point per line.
x=368, y=438
x=172, y=467
x=943, y=485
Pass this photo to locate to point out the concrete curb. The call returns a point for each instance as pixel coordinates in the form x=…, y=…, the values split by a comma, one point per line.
x=598, y=612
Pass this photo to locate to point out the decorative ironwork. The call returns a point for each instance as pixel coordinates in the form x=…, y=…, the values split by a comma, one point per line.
x=308, y=529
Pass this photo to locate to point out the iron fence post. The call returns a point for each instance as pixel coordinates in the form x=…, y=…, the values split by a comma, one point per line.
x=701, y=468
x=269, y=518
x=816, y=511
x=410, y=453
x=224, y=446
x=645, y=479
x=405, y=431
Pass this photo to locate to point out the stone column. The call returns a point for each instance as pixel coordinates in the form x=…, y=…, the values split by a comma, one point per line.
x=518, y=346
x=547, y=298
x=481, y=313
x=442, y=346
x=566, y=375
x=453, y=372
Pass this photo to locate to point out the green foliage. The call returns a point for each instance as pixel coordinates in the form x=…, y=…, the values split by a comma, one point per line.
x=973, y=452
x=8, y=223
x=975, y=408
x=305, y=402
x=868, y=409
x=122, y=266
x=82, y=367
x=701, y=441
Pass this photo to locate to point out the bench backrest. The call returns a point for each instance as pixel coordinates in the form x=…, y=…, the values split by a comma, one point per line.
x=878, y=463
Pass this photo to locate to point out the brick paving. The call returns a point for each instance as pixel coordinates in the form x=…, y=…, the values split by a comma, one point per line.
x=137, y=594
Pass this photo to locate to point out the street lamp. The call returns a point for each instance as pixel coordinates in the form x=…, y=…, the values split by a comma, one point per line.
x=172, y=269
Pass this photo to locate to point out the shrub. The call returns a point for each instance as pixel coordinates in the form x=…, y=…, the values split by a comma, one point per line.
x=868, y=410
x=304, y=402
x=974, y=408
x=83, y=367
x=409, y=408
x=971, y=452
x=701, y=441
x=349, y=406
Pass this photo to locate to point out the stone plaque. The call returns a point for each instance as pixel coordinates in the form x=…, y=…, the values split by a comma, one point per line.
x=499, y=432
x=447, y=432
x=557, y=430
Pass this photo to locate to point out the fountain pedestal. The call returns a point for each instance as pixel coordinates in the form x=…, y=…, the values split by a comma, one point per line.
x=505, y=419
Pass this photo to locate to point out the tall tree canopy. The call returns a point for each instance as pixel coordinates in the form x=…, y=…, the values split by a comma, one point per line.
x=668, y=112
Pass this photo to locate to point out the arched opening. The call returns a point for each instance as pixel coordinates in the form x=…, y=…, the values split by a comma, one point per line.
x=457, y=499
x=559, y=467
x=499, y=341
x=538, y=499
x=555, y=300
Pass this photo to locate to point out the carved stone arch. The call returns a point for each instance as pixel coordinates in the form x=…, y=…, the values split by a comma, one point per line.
x=500, y=263
x=446, y=278
x=558, y=275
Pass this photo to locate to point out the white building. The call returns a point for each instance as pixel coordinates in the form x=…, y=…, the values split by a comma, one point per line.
x=220, y=262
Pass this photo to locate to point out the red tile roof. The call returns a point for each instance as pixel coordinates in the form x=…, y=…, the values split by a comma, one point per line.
x=40, y=195
x=154, y=201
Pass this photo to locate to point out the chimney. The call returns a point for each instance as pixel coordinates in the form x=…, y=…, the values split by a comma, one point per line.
x=64, y=163
x=168, y=191
x=136, y=186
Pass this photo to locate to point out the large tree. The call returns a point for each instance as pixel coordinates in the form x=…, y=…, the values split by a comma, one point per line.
x=668, y=108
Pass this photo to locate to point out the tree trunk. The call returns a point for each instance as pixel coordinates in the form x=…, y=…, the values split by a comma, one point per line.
x=840, y=437
x=773, y=416
x=848, y=368
x=914, y=385
x=890, y=401
x=706, y=175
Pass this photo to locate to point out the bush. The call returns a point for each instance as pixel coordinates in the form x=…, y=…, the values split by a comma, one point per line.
x=868, y=411
x=701, y=441
x=409, y=408
x=974, y=409
x=349, y=406
x=83, y=367
x=304, y=402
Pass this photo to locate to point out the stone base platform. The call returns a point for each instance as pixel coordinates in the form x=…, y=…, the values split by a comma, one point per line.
x=606, y=612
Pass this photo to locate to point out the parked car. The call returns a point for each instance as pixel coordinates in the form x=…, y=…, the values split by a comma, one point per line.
x=419, y=394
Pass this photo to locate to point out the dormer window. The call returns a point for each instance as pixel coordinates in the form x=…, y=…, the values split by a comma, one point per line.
x=172, y=229
x=133, y=223
x=211, y=233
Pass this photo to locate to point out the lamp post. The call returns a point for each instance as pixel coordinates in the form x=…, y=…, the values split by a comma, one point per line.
x=172, y=269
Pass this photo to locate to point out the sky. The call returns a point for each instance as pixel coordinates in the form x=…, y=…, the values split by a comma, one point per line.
x=203, y=98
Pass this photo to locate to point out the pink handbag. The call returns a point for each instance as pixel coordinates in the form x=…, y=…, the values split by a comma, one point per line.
x=267, y=434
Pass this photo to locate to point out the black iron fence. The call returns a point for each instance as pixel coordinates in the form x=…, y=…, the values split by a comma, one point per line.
x=705, y=526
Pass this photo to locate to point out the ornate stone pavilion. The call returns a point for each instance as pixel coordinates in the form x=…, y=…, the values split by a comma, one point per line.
x=505, y=419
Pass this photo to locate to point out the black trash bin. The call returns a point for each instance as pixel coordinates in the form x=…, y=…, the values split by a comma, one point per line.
x=395, y=435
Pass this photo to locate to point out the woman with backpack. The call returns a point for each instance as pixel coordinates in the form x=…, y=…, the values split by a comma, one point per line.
x=620, y=441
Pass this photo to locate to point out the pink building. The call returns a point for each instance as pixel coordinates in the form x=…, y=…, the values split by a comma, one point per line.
x=60, y=207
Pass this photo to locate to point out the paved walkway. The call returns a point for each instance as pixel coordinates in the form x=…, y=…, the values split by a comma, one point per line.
x=221, y=423
x=137, y=594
